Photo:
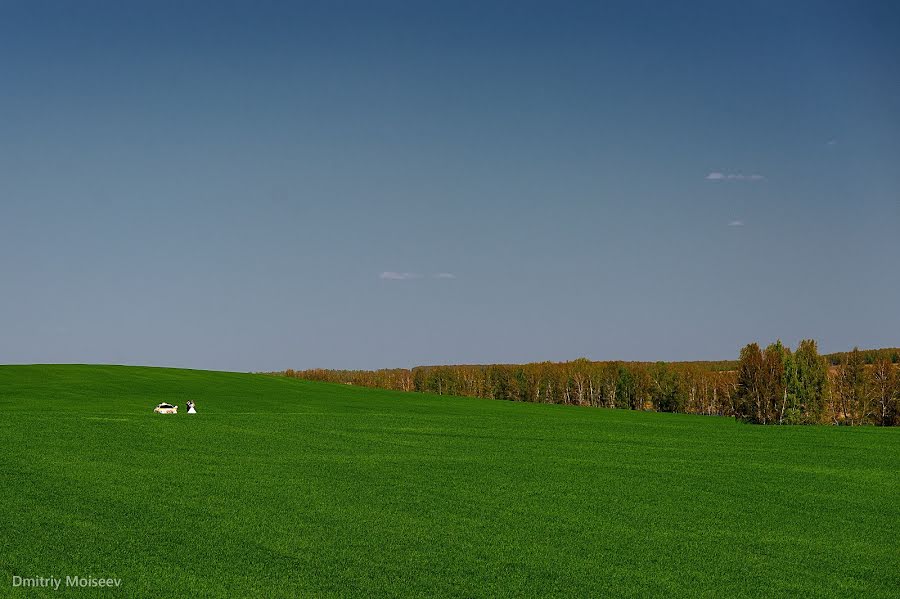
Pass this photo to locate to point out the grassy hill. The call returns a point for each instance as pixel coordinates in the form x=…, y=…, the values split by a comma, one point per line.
x=282, y=487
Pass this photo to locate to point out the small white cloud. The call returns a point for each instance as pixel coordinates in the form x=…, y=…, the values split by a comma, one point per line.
x=398, y=276
x=736, y=223
x=831, y=142
x=717, y=176
x=444, y=275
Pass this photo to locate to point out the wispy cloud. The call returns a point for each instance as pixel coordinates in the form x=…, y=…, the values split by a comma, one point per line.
x=831, y=142
x=390, y=275
x=736, y=223
x=718, y=176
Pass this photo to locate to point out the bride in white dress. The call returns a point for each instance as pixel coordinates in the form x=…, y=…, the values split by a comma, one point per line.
x=191, y=408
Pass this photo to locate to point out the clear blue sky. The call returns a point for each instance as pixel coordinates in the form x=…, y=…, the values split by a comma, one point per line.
x=257, y=185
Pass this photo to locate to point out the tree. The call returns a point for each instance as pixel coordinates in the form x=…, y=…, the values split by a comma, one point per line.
x=624, y=387
x=666, y=394
x=885, y=390
x=809, y=384
x=642, y=386
x=609, y=384
x=852, y=389
x=580, y=376
x=749, y=399
x=774, y=394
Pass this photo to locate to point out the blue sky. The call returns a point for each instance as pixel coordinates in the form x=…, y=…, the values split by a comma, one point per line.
x=257, y=185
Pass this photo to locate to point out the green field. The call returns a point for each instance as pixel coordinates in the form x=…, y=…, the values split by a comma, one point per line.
x=282, y=487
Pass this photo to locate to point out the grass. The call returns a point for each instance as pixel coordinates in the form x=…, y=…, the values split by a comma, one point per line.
x=280, y=487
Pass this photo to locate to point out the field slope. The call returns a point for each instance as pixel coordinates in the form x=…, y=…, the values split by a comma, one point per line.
x=282, y=487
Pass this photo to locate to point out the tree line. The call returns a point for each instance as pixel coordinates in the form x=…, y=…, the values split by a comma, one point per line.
x=777, y=386
x=767, y=386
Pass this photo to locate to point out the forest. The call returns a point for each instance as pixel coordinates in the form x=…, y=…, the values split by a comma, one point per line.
x=771, y=385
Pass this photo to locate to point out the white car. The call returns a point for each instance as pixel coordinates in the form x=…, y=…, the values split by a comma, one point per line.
x=166, y=408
